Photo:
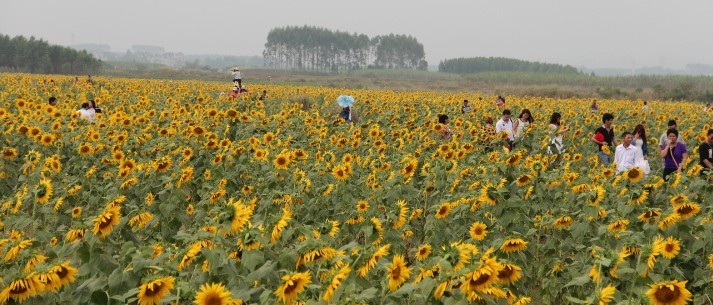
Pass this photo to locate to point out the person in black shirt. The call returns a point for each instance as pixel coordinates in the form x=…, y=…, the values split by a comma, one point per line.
x=604, y=135
x=705, y=151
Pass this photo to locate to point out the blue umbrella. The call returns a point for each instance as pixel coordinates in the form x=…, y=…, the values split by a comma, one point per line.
x=345, y=100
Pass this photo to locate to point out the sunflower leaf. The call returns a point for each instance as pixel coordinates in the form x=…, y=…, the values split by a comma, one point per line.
x=578, y=281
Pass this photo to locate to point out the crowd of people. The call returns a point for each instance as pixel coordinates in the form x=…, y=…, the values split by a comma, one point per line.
x=629, y=151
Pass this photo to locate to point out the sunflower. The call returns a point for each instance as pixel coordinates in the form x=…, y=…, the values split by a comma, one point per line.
x=105, y=222
x=648, y=215
x=45, y=191
x=443, y=210
x=186, y=176
x=509, y=274
x=282, y=161
x=608, y=172
x=65, y=272
x=669, y=220
x=163, y=164
x=23, y=288
x=423, y=252
x=514, y=159
x=523, y=180
x=153, y=292
x=373, y=259
x=362, y=206
x=292, y=285
x=598, y=195
x=261, y=154
x=606, y=295
x=75, y=235
x=340, y=172
x=481, y=278
x=634, y=174
x=401, y=218
x=485, y=196
x=687, y=210
x=669, y=248
x=478, y=230
x=336, y=281
x=563, y=222
x=397, y=272
x=409, y=168
x=212, y=294
x=513, y=244
x=618, y=226
x=47, y=139
x=669, y=293
x=9, y=153
x=76, y=212
x=642, y=197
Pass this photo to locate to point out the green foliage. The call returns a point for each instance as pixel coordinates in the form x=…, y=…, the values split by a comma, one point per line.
x=489, y=64
x=20, y=54
x=318, y=49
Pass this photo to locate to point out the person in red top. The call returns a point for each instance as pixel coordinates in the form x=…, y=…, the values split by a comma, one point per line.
x=604, y=135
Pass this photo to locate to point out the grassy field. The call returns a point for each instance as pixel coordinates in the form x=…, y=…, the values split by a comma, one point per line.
x=644, y=87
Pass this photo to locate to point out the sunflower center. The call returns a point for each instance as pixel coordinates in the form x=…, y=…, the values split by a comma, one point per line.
x=482, y=279
x=105, y=222
x=18, y=289
x=667, y=295
x=154, y=289
x=669, y=248
x=290, y=287
x=443, y=210
x=396, y=273
x=685, y=209
x=213, y=299
x=505, y=273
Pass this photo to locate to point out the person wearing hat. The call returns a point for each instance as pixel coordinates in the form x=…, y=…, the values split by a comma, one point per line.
x=237, y=78
x=235, y=91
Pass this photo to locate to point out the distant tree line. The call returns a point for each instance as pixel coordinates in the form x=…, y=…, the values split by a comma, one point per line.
x=313, y=48
x=499, y=64
x=20, y=54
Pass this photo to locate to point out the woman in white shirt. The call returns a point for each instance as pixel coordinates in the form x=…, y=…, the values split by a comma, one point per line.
x=556, y=143
x=523, y=121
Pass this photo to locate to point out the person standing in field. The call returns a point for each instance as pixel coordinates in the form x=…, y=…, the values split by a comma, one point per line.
x=446, y=132
x=237, y=78
x=53, y=101
x=674, y=154
x=640, y=139
x=506, y=125
x=664, y=137
x=522, y=123
x=705, y=151
x=556, y=132
x=627, y=155
x=594, y=107
x=263, y=96
x=465, y=107
x=604, y=135
x=500, y=101
x=646, y=108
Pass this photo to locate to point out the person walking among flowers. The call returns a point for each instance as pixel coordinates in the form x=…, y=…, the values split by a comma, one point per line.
x=604, y=136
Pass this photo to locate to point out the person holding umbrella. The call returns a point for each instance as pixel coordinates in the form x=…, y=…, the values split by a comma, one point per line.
x=346, y=102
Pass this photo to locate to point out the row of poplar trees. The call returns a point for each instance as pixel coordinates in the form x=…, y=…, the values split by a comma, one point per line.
x=313, y=48
x=20, y=54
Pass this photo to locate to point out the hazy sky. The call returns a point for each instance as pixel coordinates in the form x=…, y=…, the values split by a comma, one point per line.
x=595, y=34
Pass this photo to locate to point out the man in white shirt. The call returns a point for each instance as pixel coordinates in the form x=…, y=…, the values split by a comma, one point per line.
x=505, y=124
x=87, y=112
x=626, y=155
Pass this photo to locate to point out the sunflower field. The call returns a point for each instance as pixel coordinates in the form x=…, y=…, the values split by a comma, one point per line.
x=179, y=194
